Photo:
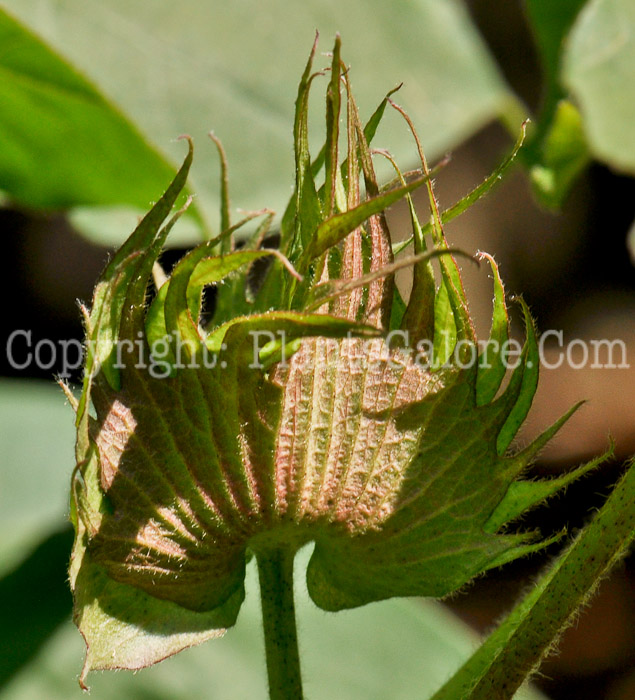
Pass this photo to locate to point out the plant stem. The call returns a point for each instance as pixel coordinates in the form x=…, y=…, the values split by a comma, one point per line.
x=275, y=571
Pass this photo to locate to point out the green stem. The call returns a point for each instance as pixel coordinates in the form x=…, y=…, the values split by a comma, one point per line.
x=275, y=570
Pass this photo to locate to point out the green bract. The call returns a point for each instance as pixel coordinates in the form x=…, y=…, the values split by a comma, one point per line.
x=294, y=415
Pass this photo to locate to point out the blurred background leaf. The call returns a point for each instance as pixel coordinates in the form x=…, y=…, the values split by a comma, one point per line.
x=599, y=69
x=234, y=67
x=586, y=51
x=557, y=153
x=63, y=144
x=34, y=600
x=550, y=22
x=36, y=444
x=37, y=448
x=563, y=156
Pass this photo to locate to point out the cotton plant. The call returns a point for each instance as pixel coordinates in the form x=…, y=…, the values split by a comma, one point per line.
x=316, y=405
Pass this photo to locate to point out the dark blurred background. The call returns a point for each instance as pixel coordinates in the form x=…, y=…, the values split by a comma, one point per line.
x=574, y=270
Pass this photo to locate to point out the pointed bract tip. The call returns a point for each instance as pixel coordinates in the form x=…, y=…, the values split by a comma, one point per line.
x=216, y=140
x=315, y=45
x=82, y=676
x=85, y=316
x=72, y=400
x=286, y=262
x=447, y=158
x=482, y=255
x=190, y=143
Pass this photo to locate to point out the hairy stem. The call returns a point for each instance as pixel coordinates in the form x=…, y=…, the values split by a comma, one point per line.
x=275, y=570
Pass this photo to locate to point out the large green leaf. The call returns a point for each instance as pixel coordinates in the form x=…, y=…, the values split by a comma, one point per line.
x=232, y=67
x=63, y=144
x=397, y=649
x=599, y=70
x=36, y=444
